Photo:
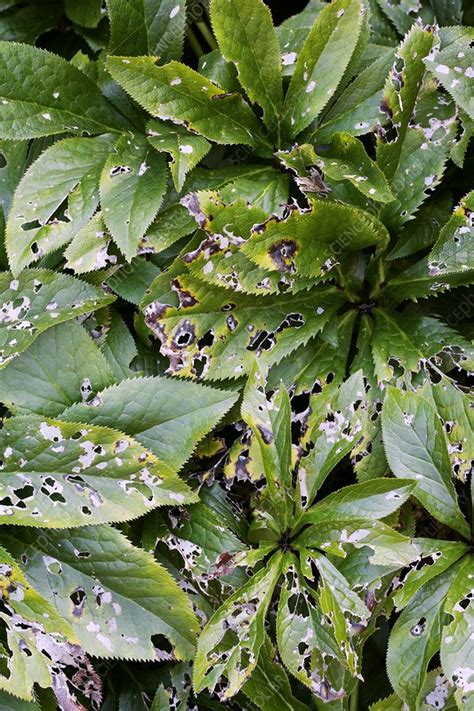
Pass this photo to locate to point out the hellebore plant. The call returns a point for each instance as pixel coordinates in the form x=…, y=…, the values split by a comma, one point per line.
x=235, y=349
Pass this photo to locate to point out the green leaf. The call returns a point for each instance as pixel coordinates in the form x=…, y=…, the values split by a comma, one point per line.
x=88, y=250
x=342, y=606
x=322, y=63
x=459, y=150
x=240, y=29
x=113, y=595
x=25, y=23
x=363, y=575
x=59, y=474
x=453, y=252
x=41, y=645
x=12, y=703
x=436, y=690
x=42, y=94
x=38, y=222
x=304, y=642
x=269, y=687
x=419, y=282
x=186, y=148
x=161, y=701
x=457, y=416
x=416, y=448
x=402, y=15
x=435, y=557
x=400, y=95
x=230, y=642
x=176, y=92
x=119, y=348
x=87, y=14
x=38, y=300
x=132, y=280
x=63, y=366
x=357, y=109
x=346, y=159
x=411, y=340
x=240, y=326
x=132, y=186
x=171, y=225
x=14, y=155
x=289, y=246
x=335, y=428
x=368, y=455
x=426, y=147
x=270, y=422
x=419, y=170
x=320, y=365
x=147, y=27
x=457, y=653
x=222, y=506
x=331, y=535
x=452, y=67
x=298, y=159
x=422, y=231
x=293, y=31
x=169, y=417
x=375, y=499
x=206, y=545
x=448, y=12
x=260, y=185
x=218, y=259
x=415, y=638
x=215, y=68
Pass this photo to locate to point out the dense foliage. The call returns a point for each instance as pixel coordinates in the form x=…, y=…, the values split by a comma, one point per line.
x=236, y=333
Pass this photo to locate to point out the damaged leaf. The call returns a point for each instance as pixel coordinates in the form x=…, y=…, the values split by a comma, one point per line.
x=178, y=93
x=219, y=333
x=416, y=448
x=186, y=149
x=115, y=597
x=132, y=185
x=38, y=221
x=230, y=643
x=37, y=300
x=99, y=475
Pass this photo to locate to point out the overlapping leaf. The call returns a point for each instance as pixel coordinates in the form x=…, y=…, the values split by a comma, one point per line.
x=310, y=242
x=59, y=474
x=132, y=186
x=456, y=644
x=230, y=642
x=62, y=366
x=166, y=416
x=67, y=171
x=41, y=645
x=239, y=28
x=186, y=148
x=37, y=300
x=416, y=449
x=113, y=595
x=236, y=327
x=411, y=341
x=147, y=27
x=43, y=94
x=178, y=93
x=415, y=638
x=452, y=66
x=317, y=74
